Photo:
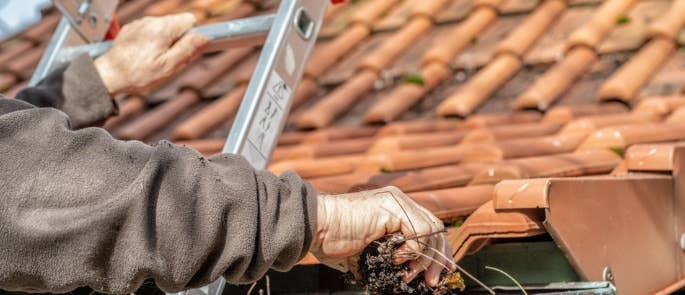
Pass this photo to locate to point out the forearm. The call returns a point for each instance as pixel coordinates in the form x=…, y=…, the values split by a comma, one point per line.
x=82, y=208
x=77, y=90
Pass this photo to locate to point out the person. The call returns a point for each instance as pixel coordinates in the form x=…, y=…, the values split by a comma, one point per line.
x=80, y=208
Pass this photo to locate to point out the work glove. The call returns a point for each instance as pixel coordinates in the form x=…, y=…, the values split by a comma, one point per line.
x=347, y=224
x=148, y=51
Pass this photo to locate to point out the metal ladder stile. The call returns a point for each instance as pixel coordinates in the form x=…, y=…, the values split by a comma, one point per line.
x=288, y=38
x=266, y=104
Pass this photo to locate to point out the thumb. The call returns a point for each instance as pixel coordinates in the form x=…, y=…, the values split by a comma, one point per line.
x=177, y=25
x=185, y=49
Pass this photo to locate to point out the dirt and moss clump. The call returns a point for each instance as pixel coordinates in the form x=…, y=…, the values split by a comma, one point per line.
x=379, y=275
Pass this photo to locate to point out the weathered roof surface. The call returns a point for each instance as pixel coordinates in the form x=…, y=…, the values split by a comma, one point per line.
x=446, y=99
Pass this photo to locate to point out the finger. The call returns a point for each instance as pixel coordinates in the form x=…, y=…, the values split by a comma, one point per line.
x=432, y=243
x=416, y=267
x=411, y=244
x=183, y=51
x=423, y=262
x=178, y=24
x=404, y=255
x=448, y=253
x=432, y=275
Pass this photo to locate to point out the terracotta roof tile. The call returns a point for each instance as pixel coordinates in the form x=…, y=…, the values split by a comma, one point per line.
x=395, y=17
x=405, y=95
x=669, y=24
x=7, y=80
x=484, y=224
x=660, y=106
x=12, y=50
x=521, y=194
x=677, y=117
x=564, y=114
x=558, y=79
x=587, y=125
x=563, y=165
x=451, y=204
x=24, y=64
x=129, y=108
x=313, y=168
x=624, y=136
x=497, y=119
x=212, y=116
x=321, y=150
x=593, y=32
x=651, y=157
x=156, y=119
x=328, y=109
x=41, y=32
x=416, y=141
x=532, y=28
x=481, y=86
x=506, y=132
x=410, y=181
x=626, y=83
x=526, y=147
x=462, y=34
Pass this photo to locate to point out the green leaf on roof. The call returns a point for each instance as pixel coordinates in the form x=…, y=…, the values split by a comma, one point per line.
x=414, y=79
x=458, y=223
x=385, y=170
x=619, y=151
x=624, y=19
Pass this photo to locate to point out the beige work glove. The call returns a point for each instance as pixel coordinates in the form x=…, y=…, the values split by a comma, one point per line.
x=347, y=224
x=148, y=51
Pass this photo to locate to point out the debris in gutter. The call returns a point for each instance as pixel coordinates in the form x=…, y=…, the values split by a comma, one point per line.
x=377, y=273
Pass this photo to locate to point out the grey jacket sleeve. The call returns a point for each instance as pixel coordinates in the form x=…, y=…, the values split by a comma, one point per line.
x=77, y=90
x=81, y=208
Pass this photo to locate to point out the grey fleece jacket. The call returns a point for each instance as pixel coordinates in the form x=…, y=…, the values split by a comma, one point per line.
x=79, y=208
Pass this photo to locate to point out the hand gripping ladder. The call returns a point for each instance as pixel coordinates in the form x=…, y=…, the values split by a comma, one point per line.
x=288, y=38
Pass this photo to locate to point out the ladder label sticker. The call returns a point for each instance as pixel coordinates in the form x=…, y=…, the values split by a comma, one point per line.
x=270, y=114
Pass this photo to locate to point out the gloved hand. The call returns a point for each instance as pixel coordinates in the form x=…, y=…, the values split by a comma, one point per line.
x=148, y=51
x=347, y=224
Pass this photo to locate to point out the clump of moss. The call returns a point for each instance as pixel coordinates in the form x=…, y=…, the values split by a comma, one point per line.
x=622, y=20
x=414, y=79
x=619, y=151
x=379, y=275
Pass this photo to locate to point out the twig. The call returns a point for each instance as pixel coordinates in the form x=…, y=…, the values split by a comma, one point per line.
x=508, y=276
x=423, y=236
x=249, y=292
x=462, y=270
x=268, y=285
x=429, y=258
x=474, y=279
